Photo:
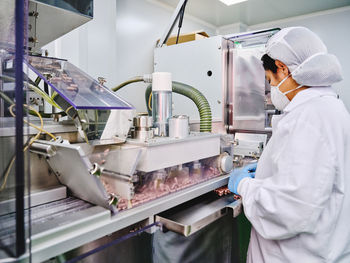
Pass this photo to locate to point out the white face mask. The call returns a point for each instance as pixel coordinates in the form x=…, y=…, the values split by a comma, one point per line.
x=278, y=98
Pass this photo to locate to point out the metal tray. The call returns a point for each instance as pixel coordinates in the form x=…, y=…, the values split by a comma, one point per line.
x=192, y=216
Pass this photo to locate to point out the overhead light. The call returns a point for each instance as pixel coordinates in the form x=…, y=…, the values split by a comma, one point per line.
x=232, y=2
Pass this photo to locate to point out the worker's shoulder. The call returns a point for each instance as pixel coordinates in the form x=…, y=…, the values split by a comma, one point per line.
x=320, y=111
x=324, y=111
x=323, y=106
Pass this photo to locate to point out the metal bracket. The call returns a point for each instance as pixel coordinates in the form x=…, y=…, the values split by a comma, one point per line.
x=236, y=207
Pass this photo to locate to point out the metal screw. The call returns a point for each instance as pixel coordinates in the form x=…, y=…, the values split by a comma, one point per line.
x=34, y=13
x=33, y=40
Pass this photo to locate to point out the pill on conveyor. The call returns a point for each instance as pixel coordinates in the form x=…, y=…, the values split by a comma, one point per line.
x=67, y=79
x=55, y=79
x=105, y=152
x=120, y=208
x=70, y=88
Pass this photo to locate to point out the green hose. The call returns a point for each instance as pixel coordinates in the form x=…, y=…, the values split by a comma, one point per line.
x=197, y=97
x=133, y=80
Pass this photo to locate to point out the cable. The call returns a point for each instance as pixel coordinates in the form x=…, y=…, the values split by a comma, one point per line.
x=40, y=130
x=6, y=98
x=133, y=80
x=44, y=95
x=35, y=89
x=149, y=102
x=68, y=109
x=54, y=95
x=9, y=101
x=31, y=124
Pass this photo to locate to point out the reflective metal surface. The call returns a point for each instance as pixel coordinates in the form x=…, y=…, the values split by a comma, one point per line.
x=143, y=128
x=192, y=216
x=161, y=111
x=37, y=197
x=50, y=19
x=179, y=126
x=82, y=7
x=44, y=248
x=249, y=144
x=248, y=90
x=163, y=152
x=72, y=168
x=143, y=121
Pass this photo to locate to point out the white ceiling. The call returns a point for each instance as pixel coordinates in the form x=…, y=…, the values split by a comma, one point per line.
x=253, y=12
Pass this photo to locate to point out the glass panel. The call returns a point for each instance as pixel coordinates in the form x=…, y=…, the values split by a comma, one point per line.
x=74, y=85
x=14, y=162
x=250, y=39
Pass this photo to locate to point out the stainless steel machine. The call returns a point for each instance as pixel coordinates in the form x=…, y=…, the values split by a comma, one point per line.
x=98, y=168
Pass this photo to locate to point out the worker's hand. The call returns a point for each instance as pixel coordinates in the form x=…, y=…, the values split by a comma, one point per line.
x=238, y=174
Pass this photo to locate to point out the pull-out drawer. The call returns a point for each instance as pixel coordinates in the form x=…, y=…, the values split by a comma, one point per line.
x=192, y=216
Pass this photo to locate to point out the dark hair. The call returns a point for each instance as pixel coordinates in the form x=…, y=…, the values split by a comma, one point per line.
x=269, y=63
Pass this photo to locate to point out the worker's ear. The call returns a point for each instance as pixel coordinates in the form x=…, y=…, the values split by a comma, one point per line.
x=282, y=67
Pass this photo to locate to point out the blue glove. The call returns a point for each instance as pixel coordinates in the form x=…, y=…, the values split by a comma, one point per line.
x=238, y=174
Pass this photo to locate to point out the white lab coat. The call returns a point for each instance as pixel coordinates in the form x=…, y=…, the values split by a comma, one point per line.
x=299, y=202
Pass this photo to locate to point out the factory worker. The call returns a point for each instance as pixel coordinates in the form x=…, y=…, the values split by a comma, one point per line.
x=299, y=201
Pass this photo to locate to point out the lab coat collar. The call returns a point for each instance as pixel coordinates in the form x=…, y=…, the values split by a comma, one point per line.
x=308, y=94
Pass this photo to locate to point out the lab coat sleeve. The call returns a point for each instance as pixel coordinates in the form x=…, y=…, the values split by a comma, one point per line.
x=291, y=200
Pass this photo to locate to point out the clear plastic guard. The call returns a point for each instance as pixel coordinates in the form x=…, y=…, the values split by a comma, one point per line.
x=78, y=88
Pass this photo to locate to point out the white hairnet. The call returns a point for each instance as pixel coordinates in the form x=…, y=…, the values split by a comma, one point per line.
x=305, y=55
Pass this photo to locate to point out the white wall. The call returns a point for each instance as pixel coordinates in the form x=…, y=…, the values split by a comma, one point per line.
x=232, y=29
x=118, y=43
x=333, y=28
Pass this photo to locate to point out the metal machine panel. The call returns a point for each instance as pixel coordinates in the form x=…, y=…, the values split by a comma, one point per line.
x=53, y=219
x=37, y=197
x=174, y=151
x=199, y=64
x=119, y=159
x=48, y=20
x=58, y=242
x=192, y=216
x=248, y=91
x=249, y=144
x=76, y=174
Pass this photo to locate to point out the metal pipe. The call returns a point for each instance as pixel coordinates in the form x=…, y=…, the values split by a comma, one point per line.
x=197, y=97
x=161, y=102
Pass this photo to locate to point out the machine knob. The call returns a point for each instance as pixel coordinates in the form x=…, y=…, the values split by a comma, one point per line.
x=225, y=163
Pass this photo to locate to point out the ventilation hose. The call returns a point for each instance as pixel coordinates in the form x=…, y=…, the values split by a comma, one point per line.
x=197, y=97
